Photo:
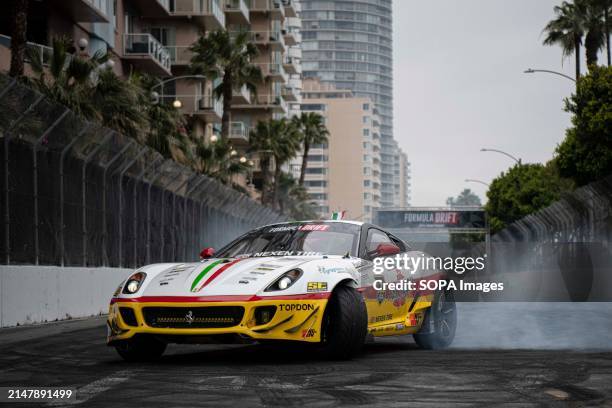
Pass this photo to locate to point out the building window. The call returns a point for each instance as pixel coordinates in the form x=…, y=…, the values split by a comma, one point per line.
x=366, y=106
x=366, y=120
x=366, y=132
x=315, y=183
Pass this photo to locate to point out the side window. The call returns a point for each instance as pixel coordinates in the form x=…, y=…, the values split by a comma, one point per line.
x=402, y=246
x=375, y=238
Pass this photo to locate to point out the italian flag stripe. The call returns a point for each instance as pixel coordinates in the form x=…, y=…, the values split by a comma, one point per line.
x=204, y=272
x=218, y=272
x=338, y=215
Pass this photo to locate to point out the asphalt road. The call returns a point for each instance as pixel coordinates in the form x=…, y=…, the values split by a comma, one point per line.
x=391, y=372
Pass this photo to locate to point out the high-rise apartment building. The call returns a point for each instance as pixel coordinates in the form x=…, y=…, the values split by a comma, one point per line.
x=344, y=174
x=154, y=36
x=349, y=44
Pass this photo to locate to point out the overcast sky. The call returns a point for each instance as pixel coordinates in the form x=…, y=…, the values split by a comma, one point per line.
x=459, y=86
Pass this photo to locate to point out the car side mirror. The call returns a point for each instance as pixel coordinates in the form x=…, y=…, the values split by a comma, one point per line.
x=207, y=253
x=387, y=249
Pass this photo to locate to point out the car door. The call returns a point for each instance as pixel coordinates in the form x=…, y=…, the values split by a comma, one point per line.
x=384, y=306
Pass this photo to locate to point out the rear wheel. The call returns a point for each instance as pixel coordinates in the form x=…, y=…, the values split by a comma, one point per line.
x=140, y=348
x=345, y=324
x=440, y=324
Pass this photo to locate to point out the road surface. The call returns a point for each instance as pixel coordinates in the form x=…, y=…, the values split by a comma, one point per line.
x=391, y=372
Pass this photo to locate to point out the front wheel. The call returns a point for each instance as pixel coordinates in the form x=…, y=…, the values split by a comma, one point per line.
x=345, y=324
x=140, y=349
x=440, y=324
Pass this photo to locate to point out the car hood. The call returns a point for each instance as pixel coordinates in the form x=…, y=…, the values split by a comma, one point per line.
x=222, y=277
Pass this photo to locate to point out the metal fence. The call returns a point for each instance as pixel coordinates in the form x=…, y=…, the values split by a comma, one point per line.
x=75, y=193
x=562, y=252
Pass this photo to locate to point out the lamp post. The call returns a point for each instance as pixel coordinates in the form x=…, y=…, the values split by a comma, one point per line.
x=176, y=103
x=547, y=71
x=518, y=161
x=477, y=181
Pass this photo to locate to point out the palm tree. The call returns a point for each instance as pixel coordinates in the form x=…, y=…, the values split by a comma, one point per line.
x=220, y=54
x=313, y=131
x=594, y=25
x=567, y=30
x=90, y=89
x=18, y=37
x=218, y=160
x=275, y=140
x=603, y=8
x=285, y=146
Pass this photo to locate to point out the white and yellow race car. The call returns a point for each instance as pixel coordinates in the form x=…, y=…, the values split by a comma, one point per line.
x=300, y=281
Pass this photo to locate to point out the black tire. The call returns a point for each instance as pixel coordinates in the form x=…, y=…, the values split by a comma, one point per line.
x=440, y=324
x=140, y=348
x=345, y=324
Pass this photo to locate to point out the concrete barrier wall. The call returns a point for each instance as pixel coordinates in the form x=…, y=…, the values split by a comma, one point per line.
x=36, y=294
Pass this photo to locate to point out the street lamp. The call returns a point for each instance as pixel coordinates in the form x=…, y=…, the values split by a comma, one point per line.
x=532, y=71
x=476, y=181
x=177, y=104
x=518, y=161
x=214, y=139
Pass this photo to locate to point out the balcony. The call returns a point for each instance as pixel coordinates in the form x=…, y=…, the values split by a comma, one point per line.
x=239, y=133
x=180, y=55
x=291, y=37
x=272, y=39
x=237, y=12
x=273, y=71
x=273, y=7
x=291, y=65
x=152, y=8
x=273, y=103
x=146, y=53
x=291, y=7
x=85, y=11
x=209, y=107
x=290, y=94
x=41, y=52
x=207, y=13
x=241, y=96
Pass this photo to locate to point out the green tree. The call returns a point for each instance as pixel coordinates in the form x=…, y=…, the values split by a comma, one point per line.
x=89, y=88
x=586, y=153
x=219, y=160
x=567, y=30
x=275, y=142
x=522, y=190
x=313, y=131
x=228, y=56
x=293, y=199
x=465, y=198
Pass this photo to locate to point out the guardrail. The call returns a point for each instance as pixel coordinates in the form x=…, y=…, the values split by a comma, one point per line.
x=144, y=44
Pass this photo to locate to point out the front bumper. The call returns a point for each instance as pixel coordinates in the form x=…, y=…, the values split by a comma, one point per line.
x=295, y=318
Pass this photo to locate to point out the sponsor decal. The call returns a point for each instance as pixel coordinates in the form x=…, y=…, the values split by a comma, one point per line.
x=314, y=227
x=399, y=326
x=283, y=228
x=316, y=286
x=382, y=318
x=262, y=268
x=308, y=333
x=325, y=270
x=283, y=253
x=296, y=307
x=243, y=281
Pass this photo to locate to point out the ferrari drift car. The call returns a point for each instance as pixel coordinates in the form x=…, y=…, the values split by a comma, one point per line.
x=311, y=282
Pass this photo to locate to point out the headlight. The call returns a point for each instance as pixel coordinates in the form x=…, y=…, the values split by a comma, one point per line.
x=285, y=281
x=134, y=282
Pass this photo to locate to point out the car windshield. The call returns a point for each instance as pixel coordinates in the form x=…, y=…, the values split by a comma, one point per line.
x=296, y=239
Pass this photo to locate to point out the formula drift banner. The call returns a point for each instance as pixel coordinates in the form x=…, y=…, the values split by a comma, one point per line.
x=419, y=218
